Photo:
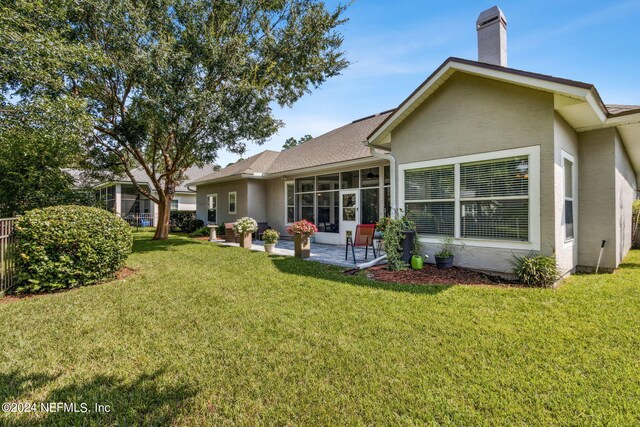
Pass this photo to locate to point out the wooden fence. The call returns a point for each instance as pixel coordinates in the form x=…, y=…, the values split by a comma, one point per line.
x=7, y=253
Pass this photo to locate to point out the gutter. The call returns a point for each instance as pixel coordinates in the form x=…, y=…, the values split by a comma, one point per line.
x=385, y=153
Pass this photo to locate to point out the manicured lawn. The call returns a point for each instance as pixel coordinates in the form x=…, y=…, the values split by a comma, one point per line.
x=210, y=335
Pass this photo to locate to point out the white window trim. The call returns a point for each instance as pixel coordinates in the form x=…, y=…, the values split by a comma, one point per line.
x=213, y=196
x=534, y=196
x=235, y=203
x=568, y=242
x=286, y=201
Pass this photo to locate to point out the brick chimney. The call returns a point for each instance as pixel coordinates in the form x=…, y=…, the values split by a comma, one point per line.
x=492, y=37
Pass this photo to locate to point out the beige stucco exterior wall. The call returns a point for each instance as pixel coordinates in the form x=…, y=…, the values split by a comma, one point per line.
x=597, y=198
x=471, y=115
x=275, y=189
x=222, y=190
x=566, y=140
x=257, y=200
x=626, y=186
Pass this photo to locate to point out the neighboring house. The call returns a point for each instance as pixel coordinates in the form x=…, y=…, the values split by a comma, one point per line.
x=121, y=196
x=504, y=161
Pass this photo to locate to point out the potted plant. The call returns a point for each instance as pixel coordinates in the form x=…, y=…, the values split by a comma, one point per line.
x=270, y=238
x=302, y=232
x=444, y=258
x=400, y=239
x=244, y=227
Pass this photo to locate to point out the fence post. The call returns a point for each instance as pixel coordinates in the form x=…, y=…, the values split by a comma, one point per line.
x=7, y=254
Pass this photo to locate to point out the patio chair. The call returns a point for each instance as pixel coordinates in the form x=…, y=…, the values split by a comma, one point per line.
x=364, y=237
x=262, y=227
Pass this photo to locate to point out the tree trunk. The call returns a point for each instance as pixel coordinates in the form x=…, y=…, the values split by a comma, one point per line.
x=164, y=215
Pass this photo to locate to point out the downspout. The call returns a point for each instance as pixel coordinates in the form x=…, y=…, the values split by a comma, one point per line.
x=381, y=153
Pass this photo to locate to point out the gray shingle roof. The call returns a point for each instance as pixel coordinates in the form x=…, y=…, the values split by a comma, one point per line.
x=339, y=145
x=259, y=164
x=82, y=178
x=615, y=109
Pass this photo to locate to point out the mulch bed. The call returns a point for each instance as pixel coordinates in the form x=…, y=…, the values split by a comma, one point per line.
x=432, y=275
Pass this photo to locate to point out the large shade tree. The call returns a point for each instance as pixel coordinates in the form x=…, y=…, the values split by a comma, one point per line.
x=168, y=83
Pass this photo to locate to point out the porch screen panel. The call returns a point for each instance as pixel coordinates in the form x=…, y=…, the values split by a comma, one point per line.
x=494, y=199
x=429, y=199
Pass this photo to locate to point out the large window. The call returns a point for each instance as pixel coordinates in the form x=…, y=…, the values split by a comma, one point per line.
x=175, y=204
x=212, y=208
x=494, y=199
x=487, y=199
x=430, y=199
x=107, y=197
x=317, y=198
x=568, y=198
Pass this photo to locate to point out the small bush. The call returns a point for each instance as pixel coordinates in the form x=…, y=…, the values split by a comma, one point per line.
x=191, y=225
x=177, y=219
x=270, y=236
x=220, y=231
x=200, y=232
x=68, y=246
x=535, y=271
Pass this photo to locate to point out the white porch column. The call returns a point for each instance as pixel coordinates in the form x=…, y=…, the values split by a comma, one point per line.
x=119, y=199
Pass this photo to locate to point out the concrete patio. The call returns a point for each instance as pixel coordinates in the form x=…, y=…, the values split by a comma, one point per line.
x=326, y=254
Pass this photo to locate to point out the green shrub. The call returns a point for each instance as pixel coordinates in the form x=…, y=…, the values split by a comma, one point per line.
x=200, y=232
x=220, y=231
x=191, y=225
x=177, y=219
x=270, y=236
x=68, y=246
x=535, y=271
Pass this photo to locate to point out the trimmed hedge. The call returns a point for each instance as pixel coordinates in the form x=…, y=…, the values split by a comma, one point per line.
x=68, y=246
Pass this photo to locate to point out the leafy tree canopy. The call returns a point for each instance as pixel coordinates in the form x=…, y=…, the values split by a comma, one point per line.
x=167, y=83
x=37, y=141
x=292, y=142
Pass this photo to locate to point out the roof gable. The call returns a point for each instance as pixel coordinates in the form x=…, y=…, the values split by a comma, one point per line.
x=571, y=89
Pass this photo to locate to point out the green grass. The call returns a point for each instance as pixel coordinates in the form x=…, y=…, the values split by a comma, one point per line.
x=210, y=335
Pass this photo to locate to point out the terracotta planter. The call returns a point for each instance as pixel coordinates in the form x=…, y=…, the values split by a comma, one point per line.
x=302, y=246
x=268, y=247
x=245, y=240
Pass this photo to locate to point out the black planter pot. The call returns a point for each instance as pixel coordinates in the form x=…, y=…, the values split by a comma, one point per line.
x=407, y=245
x=444, y=263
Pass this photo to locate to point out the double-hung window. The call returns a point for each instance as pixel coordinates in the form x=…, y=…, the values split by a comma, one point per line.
x=429, y=195
x=290, y=206
x=567, y=218
x=233, y=198
x=490, y=197
x=494, y=199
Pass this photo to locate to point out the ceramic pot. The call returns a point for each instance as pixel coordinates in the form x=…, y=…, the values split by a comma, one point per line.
x=444, y=263
x=268, y=247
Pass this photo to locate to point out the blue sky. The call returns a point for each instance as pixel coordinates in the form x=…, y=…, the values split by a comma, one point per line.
x=395, y=45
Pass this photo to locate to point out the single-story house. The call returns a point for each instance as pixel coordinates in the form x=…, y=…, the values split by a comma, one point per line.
x=501, y=160
x=120, y=196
